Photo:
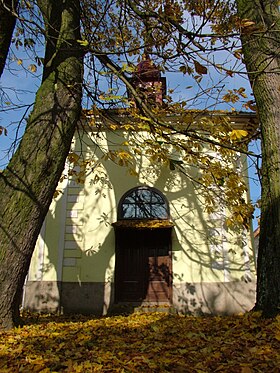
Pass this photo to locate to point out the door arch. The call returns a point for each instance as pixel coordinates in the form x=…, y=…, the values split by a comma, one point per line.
x=143, y=247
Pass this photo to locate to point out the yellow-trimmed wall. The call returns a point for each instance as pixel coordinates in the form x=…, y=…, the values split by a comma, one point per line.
x=77, y=241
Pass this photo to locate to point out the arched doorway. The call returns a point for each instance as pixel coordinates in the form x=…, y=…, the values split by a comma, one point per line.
x=143, y=247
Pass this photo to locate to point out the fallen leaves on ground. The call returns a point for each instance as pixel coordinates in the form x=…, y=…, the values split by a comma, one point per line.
x=151, y=342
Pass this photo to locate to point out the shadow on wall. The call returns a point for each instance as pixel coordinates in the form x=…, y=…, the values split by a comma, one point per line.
x=76, y=272
x=218, y=285
x=214, y=298
x=67, y=264
x=42, y=288
x=213, y=269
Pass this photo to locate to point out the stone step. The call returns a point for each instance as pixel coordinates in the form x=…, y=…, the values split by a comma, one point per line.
x=155, y=308
x=128, y=308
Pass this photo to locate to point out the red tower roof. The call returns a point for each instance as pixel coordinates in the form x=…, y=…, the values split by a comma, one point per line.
x=147, y=70
x=147, y=79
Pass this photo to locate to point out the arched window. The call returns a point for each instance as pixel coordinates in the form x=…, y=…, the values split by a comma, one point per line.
x=143, y=203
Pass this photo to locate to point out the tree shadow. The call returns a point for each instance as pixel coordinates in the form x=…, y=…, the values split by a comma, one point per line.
x=78, y=243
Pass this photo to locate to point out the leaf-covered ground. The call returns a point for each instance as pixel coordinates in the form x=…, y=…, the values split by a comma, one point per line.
x=153, y=342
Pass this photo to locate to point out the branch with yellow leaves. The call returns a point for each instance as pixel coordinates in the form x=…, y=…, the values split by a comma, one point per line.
x=155, y=120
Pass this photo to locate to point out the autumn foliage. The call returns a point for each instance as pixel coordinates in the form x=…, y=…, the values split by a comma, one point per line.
x=153, y=342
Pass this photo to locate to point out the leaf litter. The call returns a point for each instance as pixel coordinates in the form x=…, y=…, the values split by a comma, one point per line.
x=142, y=342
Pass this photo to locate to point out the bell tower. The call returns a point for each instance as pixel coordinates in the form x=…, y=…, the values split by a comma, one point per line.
x=148, y=82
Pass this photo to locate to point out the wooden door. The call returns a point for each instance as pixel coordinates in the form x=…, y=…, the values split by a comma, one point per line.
x=143, y=265
x=159, y=276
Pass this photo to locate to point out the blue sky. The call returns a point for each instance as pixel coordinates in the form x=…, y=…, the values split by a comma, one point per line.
x=20, y=87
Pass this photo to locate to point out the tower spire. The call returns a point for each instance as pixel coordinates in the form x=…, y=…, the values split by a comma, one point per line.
x=147, y=80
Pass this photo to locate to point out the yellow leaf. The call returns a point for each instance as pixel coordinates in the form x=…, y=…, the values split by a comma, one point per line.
x=237, y=134
x=277, y=336
x=247, y=23
x=183, y=69
x=3, y=130
x=83, y=43
x=144, y=118
x=246, y=369
x=32, y=68
x=57, y=193
x=73, y=158
x=250, y=105
x=19, y=61
x=238, y=54
x=230, y=73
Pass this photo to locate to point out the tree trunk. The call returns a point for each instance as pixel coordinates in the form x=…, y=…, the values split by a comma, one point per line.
x=29, y=181
x=7, y=25
x=261, y=54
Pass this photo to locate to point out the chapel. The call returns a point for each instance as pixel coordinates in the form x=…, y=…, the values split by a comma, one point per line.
x=129, y=232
